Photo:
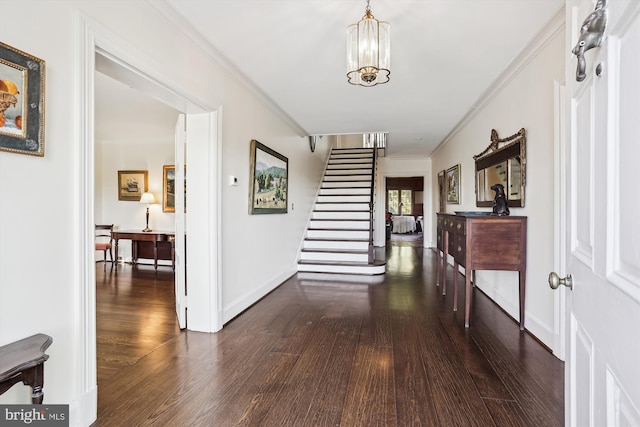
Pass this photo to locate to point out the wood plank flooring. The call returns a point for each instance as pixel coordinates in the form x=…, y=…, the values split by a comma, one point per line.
x=322, y=354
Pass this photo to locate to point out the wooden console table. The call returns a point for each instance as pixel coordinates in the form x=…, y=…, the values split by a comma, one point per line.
x=153, y=245
x=24, y=361
x=482, y=242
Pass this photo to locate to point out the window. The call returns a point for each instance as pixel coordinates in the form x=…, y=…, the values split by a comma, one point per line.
x=399, y=202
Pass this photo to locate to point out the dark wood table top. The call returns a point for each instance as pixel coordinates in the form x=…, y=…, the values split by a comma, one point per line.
x=24, y=354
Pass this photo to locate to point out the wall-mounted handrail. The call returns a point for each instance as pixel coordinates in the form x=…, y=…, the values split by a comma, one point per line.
x=371, y=205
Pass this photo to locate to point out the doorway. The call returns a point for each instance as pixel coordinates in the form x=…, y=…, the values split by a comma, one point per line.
x=404, y=208
x=137, y=72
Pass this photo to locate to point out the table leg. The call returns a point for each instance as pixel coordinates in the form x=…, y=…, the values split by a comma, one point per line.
x=155, y=255
x=455, y=285
x=37, y=383
x=116, y=247
x=438, y=261
x=445, y=253
x=522, y=277
x=467, y=299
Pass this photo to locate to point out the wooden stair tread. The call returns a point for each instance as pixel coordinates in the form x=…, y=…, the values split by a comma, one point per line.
x=351, y=180
x=345, y=211
x=337, y=229
x=343, y=195
x=336, y=251
x=325, y=239
x=340, y=203
x=340, y=219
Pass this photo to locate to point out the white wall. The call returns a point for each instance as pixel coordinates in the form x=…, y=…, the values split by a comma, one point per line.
x=131, y=154
x=42, y=287
x=526, y=100
x=402, y=167
x=260, y=251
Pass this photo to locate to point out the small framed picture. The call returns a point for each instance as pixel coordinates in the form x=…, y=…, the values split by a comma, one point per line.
x=131, y=185
x=168, y=188
x=442, y=193
x=22, y=79
x=453, y=185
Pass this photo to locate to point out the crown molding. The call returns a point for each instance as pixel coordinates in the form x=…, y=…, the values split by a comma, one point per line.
x=176, y=20
x=542, y=38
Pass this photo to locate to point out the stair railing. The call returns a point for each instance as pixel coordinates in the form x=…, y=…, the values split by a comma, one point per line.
x=371, y=205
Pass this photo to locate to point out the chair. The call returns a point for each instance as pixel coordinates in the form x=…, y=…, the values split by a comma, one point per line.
x=104, y=241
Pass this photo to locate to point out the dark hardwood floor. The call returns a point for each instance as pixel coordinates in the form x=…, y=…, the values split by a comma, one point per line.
x=322, y=354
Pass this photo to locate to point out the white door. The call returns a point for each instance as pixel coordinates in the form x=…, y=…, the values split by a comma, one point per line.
x=179, y=200
x=602, y=371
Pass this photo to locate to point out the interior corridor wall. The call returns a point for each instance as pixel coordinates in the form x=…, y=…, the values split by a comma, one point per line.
x=40, y=245
x=524, y=100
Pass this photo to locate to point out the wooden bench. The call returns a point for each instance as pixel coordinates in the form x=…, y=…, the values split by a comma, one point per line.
x=24, y=361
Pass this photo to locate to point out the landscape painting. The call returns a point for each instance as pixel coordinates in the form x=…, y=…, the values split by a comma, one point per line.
x=268, y=184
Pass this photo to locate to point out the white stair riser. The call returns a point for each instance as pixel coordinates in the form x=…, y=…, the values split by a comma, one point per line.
x=348, y=225
x=329, y=256
x=363, y=198
x=348, y=178
x=363, y=184
x=347, y=269
x=345, y=190
x=348, y=166
x=337, y=234
x=341, y=207
x=340, y=215
x=358, y=162
x=341, y=172
x=336, y=244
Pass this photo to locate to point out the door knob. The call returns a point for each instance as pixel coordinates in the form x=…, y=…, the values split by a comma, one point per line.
x=555, y=281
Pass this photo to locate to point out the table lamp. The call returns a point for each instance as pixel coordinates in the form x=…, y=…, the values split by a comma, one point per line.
x=147, y=198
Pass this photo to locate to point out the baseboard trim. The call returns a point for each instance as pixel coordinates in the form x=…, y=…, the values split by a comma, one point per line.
x=84, y=411
x=245, y=302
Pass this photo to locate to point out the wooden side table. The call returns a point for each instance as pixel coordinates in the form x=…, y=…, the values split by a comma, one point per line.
x=24, y=361
x=482, y=242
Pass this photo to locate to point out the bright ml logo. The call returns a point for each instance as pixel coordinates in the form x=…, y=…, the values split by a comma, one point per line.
x=34, y=415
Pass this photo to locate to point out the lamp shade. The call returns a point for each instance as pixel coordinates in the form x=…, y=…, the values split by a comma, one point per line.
x=148, y=198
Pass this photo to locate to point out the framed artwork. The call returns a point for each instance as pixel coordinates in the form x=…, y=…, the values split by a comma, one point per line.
x=168, y=188
x=442, y=193
x=269, y=180
x=453, y=185
x=131, y=185
x=22, y=78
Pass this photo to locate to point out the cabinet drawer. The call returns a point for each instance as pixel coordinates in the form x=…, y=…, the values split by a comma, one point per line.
x=458, y=226
x=459, y=249
x=449, y=224
x=440, y=238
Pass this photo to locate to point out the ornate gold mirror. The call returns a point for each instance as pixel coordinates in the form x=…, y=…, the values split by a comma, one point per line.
x=502, y=162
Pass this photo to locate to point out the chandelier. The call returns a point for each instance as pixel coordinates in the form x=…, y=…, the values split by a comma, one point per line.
x=368, y=51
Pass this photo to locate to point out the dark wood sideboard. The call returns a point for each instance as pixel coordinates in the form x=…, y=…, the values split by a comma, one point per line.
x=155, y=245
x=481, y=242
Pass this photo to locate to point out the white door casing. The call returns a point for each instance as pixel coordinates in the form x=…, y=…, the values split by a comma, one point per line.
x=602, y=372
x=180, y=217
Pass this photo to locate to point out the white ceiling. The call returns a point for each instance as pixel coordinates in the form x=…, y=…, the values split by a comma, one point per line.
x=444, y=56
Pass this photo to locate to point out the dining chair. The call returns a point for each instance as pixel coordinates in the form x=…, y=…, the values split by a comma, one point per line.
x=104, y=241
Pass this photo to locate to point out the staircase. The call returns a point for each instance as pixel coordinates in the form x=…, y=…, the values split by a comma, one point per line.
x=340, y=234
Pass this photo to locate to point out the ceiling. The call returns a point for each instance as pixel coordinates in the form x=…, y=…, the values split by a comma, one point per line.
x=444, y=55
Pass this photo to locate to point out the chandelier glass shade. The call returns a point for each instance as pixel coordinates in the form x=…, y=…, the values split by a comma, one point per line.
x=368, y=51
